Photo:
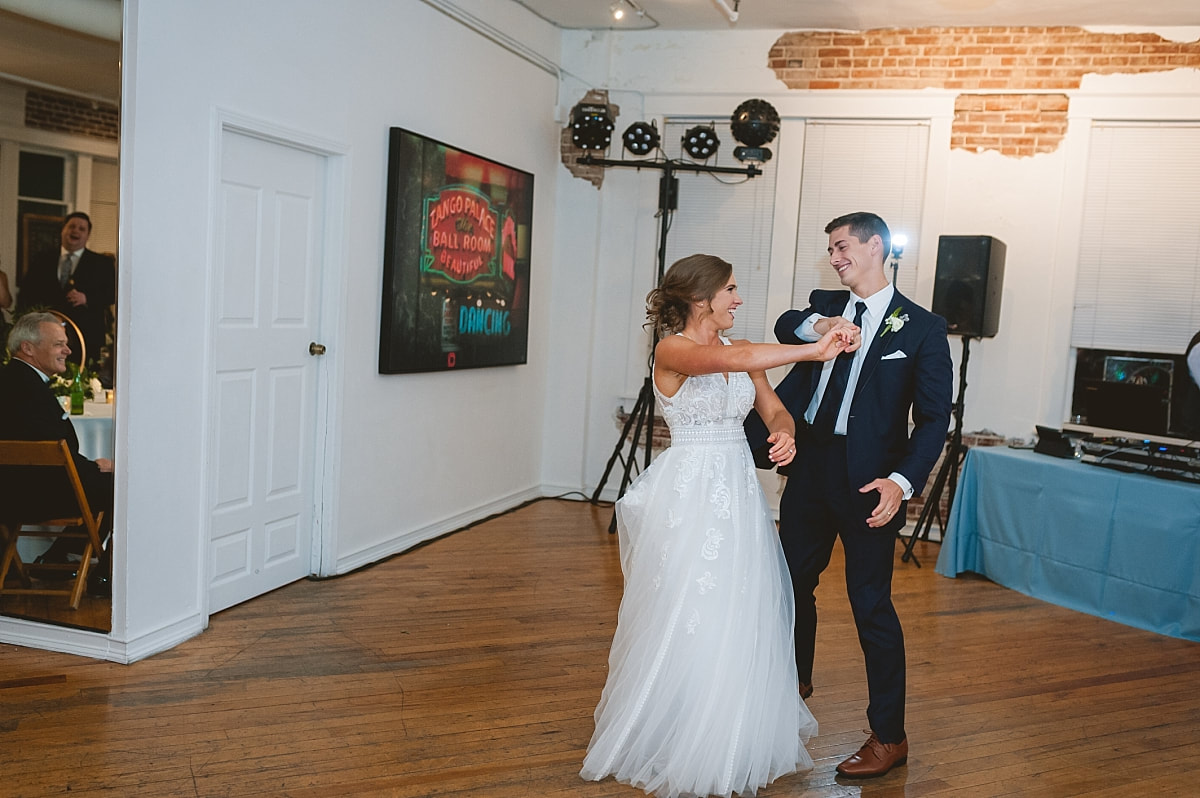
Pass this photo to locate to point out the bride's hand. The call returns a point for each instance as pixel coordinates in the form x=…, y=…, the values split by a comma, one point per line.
x=843, y=339
x=851, y=336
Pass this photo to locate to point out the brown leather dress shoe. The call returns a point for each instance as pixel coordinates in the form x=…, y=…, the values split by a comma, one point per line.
x=874, y=758
x=806, y=690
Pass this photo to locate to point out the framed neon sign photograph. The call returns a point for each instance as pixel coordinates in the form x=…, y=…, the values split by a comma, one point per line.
x=455, y=259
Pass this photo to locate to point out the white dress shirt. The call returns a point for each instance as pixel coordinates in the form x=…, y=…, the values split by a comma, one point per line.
x=75, y=256
x=877, y=305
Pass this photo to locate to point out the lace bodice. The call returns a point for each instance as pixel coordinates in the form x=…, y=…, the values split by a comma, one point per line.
x=708, y=401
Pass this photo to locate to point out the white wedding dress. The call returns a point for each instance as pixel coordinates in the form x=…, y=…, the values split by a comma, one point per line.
x=702, y=696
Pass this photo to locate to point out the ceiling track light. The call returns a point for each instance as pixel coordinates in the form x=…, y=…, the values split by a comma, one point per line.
x=730, y=11
x=619, y=6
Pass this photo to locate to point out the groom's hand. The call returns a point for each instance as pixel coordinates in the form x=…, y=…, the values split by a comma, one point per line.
x=891, y=496
x=822, y=326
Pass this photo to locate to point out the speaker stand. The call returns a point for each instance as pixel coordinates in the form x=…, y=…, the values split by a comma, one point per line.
x=947, y=475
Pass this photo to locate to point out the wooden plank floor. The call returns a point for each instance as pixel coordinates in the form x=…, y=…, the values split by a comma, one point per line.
x=94, y=613
x=470, y=667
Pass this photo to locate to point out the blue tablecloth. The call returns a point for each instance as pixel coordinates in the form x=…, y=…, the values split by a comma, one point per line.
x=1117, y=545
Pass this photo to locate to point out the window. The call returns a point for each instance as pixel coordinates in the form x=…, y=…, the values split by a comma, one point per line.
x=1138, y=286
x=729, y=216
x=40, y=205
x=1137, y=294
x=849, y=166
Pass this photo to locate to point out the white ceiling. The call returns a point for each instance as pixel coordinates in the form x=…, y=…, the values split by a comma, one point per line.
x=71, y=45
x=863, y=14
x=41, y=54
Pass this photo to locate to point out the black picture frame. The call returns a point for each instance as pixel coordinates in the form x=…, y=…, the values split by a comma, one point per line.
x=455, y=259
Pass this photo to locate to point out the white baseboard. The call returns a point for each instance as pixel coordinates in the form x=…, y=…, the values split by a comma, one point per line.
x=97, y=645
x=32, y=634
x=162, y=639
x=415, y=537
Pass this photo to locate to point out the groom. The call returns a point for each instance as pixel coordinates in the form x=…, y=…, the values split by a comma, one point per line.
x=857, y=462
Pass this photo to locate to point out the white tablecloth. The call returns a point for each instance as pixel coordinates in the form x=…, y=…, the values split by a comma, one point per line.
x=95, y=430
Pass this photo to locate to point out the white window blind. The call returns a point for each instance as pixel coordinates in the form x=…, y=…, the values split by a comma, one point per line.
x=1138, y=285
x=851, y=166
x=730, y=216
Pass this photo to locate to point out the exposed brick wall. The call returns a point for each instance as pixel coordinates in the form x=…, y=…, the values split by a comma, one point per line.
x=1014, y=61
x=569, y=152
x=1018, y=125
x=63, y=114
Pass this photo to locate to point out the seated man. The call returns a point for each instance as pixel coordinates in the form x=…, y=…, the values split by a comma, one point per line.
x=29, y=411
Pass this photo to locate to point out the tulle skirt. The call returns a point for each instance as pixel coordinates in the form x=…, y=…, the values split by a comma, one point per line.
x=701, y=696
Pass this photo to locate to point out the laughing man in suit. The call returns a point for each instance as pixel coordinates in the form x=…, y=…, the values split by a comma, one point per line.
x=857, y=462
x=82, y=288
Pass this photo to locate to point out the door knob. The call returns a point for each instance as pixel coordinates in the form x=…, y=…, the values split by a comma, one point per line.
x=315, y=348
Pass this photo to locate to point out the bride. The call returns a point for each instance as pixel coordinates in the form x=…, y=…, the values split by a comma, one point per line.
x=702, y=695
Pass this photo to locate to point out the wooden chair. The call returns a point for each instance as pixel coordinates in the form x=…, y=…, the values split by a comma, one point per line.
x=84, y=525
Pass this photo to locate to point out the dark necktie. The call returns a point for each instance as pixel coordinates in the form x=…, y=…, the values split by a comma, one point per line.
x=835, y=389
x=64, y=270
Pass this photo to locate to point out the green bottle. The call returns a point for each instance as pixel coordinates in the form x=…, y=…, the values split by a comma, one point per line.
x=77, y=396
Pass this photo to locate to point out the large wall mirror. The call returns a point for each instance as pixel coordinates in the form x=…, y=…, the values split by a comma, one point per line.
x=59, y=124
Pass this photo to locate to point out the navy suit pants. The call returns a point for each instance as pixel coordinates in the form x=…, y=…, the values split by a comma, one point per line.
x=818, y=506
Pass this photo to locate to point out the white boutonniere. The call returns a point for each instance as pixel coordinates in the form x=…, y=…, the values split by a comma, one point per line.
x=894, y=322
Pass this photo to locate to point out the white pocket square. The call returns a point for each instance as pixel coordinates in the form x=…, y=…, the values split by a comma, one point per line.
x=897, y=355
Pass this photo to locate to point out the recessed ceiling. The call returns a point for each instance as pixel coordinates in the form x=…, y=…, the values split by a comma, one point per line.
x=862, y=14
x=40, y=54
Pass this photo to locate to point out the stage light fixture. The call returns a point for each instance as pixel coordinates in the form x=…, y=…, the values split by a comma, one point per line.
x=754, y=123
x=641, y=138
x=591, y=127
x=898, y=242
x=701, y=142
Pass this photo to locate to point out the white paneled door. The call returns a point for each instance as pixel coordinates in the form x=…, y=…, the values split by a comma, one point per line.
x=268, y=248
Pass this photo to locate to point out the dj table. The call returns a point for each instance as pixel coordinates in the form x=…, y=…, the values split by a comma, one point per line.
x=1161, y=459
x=1119, y=545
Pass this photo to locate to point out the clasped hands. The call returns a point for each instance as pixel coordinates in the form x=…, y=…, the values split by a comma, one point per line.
x=838, y=335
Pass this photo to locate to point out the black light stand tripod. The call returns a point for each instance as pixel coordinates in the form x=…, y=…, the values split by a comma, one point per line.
x=947, y=475
x=641, y=418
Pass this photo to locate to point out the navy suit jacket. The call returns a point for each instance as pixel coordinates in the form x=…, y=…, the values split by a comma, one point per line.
x=878, y=439
x=95, y=276
x=30, y=412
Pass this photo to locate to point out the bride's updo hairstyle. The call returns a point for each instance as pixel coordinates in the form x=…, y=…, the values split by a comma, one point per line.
x=692, y=279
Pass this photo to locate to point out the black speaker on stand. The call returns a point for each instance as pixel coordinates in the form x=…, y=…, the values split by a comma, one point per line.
x=967, y=284
x=966, y=293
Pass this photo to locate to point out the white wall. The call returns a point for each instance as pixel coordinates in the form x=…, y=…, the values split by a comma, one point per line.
x=412, y=455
